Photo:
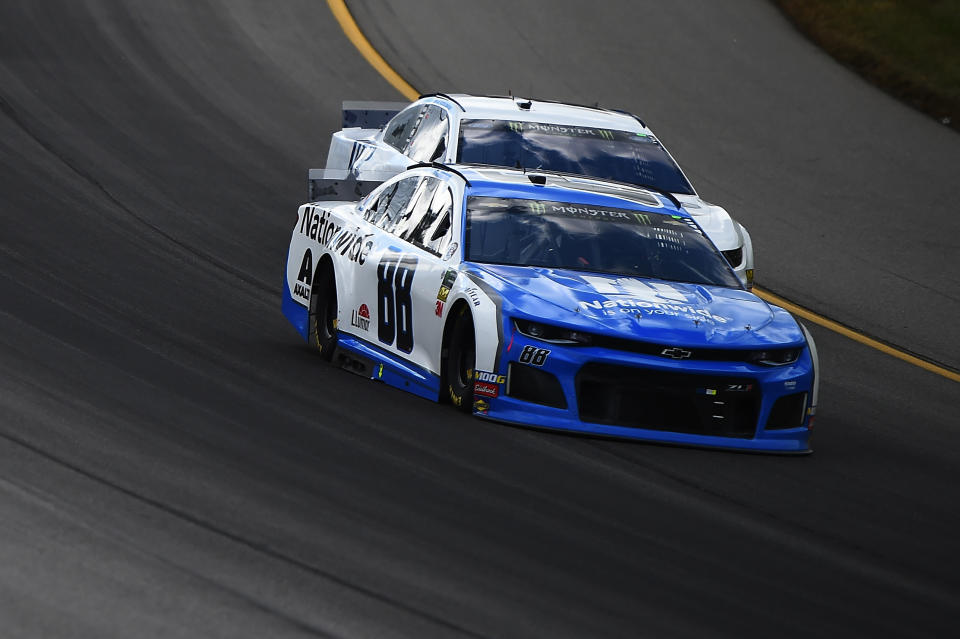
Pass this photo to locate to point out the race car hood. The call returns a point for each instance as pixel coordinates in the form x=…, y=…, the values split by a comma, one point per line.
x=643, y=309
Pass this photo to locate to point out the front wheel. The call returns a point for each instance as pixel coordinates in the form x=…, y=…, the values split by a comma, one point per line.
x=461, y=357
x=323, y=313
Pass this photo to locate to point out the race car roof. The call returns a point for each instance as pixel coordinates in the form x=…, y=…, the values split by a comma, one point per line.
x=513, y=183
x=515, y=108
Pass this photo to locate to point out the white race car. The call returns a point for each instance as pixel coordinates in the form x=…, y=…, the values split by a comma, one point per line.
x=381, y=139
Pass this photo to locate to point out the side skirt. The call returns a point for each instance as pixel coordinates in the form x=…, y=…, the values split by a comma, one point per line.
x=362, y=358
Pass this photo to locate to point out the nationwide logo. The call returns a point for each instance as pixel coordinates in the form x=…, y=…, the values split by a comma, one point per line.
x=361, y=318
x=676, y=353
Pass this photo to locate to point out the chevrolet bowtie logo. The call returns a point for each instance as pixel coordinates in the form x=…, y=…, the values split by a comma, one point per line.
x=676, y=353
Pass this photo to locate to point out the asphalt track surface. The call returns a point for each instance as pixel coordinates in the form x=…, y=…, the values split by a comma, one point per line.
x=173, y=462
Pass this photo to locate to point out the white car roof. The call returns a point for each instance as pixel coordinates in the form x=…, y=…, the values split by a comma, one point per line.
x=506, y=108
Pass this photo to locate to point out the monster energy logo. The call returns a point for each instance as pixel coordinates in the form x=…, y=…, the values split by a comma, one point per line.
x=606, y=135
x=516, y=126
x=643, y=218
x=538, y=207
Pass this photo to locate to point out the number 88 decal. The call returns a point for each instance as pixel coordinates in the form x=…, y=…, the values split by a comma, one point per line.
x=533, y=355
x=394, y=303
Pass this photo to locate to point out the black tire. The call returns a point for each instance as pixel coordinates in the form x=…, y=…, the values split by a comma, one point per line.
x=323, y=313
x=461, y=358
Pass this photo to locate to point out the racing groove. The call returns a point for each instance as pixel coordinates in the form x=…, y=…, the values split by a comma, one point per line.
x=173, y=462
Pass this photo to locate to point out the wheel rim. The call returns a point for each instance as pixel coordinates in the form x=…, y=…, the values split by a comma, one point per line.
x=465, y=362
x=330, y=317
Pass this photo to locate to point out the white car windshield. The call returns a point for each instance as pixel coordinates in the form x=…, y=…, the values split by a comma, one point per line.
x=635, y=158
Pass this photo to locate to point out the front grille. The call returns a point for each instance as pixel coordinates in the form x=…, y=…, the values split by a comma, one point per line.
x=734, y=256
x=788, y=412
x=676, y=402
x=534, y=385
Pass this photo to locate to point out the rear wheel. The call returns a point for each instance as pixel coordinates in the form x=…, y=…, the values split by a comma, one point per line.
x=323, y=312
x=461, y=357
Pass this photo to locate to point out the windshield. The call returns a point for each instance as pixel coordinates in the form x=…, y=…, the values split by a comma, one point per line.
x=635, y=158
x=592, y=238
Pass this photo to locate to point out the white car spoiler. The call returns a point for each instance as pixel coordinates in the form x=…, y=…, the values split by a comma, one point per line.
x=369, y=115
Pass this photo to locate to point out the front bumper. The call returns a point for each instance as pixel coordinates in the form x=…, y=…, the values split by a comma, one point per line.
x=730, y=405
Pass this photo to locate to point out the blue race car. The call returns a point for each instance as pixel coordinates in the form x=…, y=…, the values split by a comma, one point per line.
x=550, y=300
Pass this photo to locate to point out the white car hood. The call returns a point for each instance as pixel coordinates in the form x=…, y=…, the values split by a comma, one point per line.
x=714, y=220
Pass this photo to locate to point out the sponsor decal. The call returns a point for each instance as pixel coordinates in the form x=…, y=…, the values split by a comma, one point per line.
x=361, y=318
x=449, y=277
x=559, y=129
x=534, y=355
x=481, y=406
x=590, y=212
x=709, y=391
x=676, y=353
x=486, y=376
x=474, y=296
x=790, y=385
x=439, y=309
x=486, y=389
x=351, y=244
x=304, y=279
x=318, y=225
x=648, y=308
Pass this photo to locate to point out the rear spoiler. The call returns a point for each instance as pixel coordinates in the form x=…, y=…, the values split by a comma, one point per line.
x=370, y=115
x=340, y=185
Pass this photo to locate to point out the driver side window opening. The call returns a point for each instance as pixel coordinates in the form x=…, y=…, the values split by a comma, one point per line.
x=437, y=235
x=430, y=141
x=401, y=128
x=388, y=216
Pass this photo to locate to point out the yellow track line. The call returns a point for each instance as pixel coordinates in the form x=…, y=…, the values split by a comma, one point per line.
x=352, y=31
x=836, y=327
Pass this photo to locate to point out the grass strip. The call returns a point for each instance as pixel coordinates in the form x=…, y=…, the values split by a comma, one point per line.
x=909, y=48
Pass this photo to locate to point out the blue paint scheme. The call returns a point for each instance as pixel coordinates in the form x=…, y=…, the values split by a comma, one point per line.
x=564, y=298
x=482, y=185
x=551, y=296
x=395, y=372
x=565, y=361
x=298, y=314
x=660, y=312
